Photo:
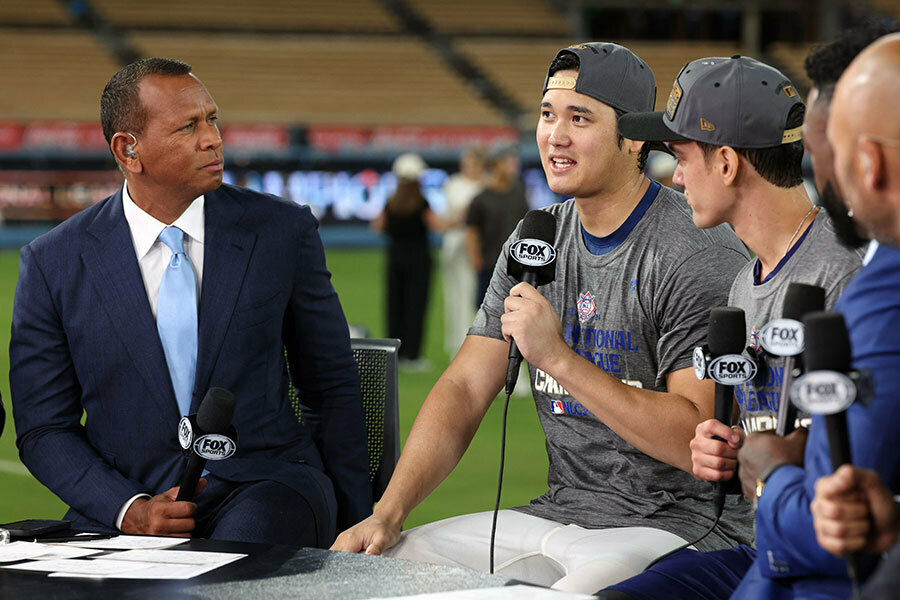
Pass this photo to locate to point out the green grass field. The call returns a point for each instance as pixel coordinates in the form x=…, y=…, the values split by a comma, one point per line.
x=359, y=279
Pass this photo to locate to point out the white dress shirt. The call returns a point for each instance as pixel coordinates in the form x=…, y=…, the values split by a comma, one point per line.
x=153, y=257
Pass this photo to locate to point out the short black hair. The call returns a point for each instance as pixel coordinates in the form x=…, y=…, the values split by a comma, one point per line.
x=779, y=165
x=120, y=104
x=825, y=64
x=568, y=61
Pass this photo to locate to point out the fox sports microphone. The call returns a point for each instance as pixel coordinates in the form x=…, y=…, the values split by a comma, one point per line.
x=721, y=360
x=531, y=259
x=826, y=389
x=784, y=337
x=208, y=435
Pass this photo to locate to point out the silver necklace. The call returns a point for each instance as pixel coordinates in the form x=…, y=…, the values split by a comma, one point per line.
x=812, y=208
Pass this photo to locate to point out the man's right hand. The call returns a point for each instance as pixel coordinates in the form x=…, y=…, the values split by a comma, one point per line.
x=370, y=536
x=162, y=514
x=853, y=511
x=712, y=459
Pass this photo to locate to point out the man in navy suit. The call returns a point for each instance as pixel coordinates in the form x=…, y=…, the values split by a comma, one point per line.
x=94, y=313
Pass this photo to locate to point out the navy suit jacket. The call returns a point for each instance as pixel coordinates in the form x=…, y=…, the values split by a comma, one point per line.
x=84, y=340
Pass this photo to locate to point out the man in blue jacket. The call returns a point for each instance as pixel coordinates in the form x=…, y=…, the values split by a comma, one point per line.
x=131, y=310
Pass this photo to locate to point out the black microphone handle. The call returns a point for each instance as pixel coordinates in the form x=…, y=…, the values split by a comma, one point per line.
x=724, y=410
x=515, y=357
x=190, y=477
x=838, y=439
x=839, y=452
x=787, y=412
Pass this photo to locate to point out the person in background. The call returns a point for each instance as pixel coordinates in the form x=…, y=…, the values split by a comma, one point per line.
x=661, y=168
x=493, y=214
x=406, y=220
x=459, y=277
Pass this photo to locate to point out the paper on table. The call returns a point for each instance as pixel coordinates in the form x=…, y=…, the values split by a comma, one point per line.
x=25, y=550
x=512, y=592
x=177, y=557
x=157, y=571
x=130, y=542
x=98, y=566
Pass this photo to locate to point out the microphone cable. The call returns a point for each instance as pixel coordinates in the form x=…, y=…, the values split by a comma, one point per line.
x=719, y=507
x=500, y=478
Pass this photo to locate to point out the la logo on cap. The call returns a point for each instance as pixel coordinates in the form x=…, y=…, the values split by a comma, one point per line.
x=706, y=125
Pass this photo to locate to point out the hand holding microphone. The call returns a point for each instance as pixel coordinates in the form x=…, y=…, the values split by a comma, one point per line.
x=828, y=389
x=721, y=360
x=532, y=260
x=206, y=435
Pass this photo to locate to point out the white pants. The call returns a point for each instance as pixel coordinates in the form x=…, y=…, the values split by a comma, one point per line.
x=539, y=551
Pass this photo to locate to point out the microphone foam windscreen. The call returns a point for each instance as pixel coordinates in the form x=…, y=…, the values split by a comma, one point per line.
x=727, y=330
x=827, y=342
x=800, y=299
x=216, y=411
x=539, y=225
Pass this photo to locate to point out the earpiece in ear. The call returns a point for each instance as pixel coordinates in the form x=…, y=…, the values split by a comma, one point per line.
x=129, y=148
x=866, y=162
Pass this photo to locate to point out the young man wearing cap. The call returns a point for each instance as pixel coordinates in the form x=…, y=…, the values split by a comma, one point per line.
x=735, y=126
x=740, y=163
x=633, y=289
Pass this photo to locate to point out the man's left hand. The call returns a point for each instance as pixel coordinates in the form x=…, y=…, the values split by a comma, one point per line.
x=537, y=329
x=764, y=450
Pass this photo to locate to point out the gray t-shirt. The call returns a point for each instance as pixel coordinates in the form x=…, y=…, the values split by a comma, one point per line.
x=636, y=312
x=820, y=260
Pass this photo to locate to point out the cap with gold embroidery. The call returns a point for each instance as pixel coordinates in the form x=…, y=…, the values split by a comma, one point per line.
x=609, y=73
x=738, y=102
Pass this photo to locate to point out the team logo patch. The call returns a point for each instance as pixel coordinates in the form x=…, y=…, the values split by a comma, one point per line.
x=674, y=99
x=586, y=306
x=754, y=341
x=557, y=407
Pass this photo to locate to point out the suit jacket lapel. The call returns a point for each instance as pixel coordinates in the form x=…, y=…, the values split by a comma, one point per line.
x=112, y=268
x=226, y=253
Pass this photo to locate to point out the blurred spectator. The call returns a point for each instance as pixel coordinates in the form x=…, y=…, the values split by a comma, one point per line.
x=661, y=168
x=459, y=277
x=406, y=220
x=494, y=214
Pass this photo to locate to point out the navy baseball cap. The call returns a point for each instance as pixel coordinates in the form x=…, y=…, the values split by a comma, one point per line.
x=609, y=73
x=738, y=102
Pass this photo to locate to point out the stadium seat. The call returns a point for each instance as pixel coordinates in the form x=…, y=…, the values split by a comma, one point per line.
x=377, y=360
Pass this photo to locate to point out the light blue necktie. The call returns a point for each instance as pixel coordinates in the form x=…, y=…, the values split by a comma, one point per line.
x=176, y=318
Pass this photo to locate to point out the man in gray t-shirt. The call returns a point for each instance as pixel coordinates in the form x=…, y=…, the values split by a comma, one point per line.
x=609, y=347
x=635, y=311
x=735, y=126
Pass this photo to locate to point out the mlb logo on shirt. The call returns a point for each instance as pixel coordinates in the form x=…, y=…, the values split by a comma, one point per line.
x=753, y=341
x=557, y=407
x=586, y=306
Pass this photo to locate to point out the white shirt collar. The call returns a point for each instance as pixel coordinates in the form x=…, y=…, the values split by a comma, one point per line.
x=145, y=228
x=870, y=252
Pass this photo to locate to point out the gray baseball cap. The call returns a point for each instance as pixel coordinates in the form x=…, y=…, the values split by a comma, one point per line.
x=738, y=102
x=609, y=73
